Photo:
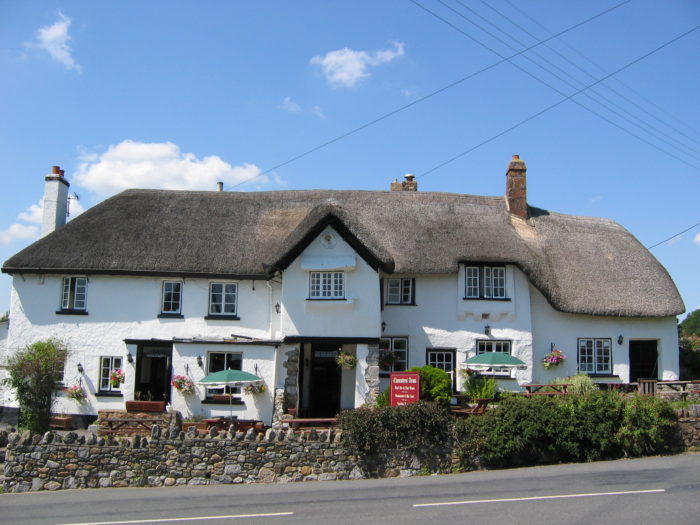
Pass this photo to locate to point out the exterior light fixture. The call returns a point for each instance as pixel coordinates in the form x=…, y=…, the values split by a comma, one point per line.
x=620, y=339
x=278, y=308
x=80, y=368
x=487, y=330
x=383, y=326
x=129, y=358
x=199, y=361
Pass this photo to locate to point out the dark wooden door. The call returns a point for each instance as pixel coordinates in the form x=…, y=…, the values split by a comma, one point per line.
x=644, y=360
x=324, y=381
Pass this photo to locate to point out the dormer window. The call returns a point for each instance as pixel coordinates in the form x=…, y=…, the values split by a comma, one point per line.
x=485, y=282
x=74, y=295
x=327, y=285
x=400, y=291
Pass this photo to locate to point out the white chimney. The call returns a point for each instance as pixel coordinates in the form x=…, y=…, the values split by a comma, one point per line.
x=55, y=201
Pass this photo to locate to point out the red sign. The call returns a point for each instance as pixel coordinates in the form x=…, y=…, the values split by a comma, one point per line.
x=404, y=388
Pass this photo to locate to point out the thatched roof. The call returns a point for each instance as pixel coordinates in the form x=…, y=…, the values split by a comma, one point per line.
x=581, y=265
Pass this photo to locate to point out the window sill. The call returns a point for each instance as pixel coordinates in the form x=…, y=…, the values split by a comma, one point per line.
x=69, y=311
x=327, y=299
x=171, y=316
x=602, y=375
x=109, y=394
x=486, y=299
x=214, y=402
x=400, y=304
x=214, y=317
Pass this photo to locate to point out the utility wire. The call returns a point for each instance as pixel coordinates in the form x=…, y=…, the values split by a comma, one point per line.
x=645, y=126
x=426, y=97
x=673, y=236
x=606, y=119
x=552, y=106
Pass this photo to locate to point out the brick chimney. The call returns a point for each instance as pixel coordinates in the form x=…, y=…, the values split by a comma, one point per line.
x=516, y=189
x=55, y=201
x=406, y=185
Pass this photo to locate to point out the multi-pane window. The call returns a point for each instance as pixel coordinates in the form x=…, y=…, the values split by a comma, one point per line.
x=400, y=291
x=595, y=356
x=487, y=282
x=393, y=354
x=444, y=360
x=327, y=285
x=218, y=361
x=172, y=297
x=74, y=294
x=495, y=346
x=107, y=366
x=223, y=298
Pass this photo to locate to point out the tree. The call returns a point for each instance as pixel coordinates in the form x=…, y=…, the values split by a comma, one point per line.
x=689, y=332
x=4, y=317
x=35, y=373
x=691, y=324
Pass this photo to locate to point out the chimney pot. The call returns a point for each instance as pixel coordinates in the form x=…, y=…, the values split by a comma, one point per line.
x=55, y=170
x=409, y=177
x=219, y=186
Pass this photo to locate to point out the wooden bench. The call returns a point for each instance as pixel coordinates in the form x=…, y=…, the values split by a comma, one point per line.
x=478, y=409
x=114, y=425
x=555, y=389
x=60, y=422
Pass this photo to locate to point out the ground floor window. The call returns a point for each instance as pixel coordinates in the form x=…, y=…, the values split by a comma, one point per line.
x=494, y=346
x=110, y=367
x=218, y=361
x=595, y=356
x=393, y=354
x=444, y=359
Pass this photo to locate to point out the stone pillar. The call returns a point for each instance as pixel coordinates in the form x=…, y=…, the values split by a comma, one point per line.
x=291, y=382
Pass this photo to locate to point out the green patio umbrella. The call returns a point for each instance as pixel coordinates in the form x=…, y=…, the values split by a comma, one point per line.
x=494, y=360
x=224, y=378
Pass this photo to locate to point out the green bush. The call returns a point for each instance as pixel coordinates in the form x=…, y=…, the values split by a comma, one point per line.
x=35, y=372
x=435, y=384
x=370, y=430
x=382, y=399
x=581, y=384
x=648, y=426
x=480, y=387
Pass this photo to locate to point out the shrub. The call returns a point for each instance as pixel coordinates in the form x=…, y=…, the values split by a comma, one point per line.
x=35, y=373
x=648, y=426
x=382, y=399
x=370, y=430
x=581, y=384
x=480, y=387
x=435, y=384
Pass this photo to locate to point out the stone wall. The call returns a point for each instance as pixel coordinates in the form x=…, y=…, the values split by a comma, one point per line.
x=53, y=462
x=689, y=423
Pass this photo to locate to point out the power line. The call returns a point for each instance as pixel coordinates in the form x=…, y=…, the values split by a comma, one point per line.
x=673, y=236
x=426, y=97
x=578, y=103
x=552, y=106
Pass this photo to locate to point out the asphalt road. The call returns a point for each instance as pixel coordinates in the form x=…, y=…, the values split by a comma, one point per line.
x=662, y=490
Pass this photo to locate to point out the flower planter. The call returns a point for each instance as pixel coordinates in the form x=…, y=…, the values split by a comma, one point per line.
x=60, y=422
x=145, y=406
x=222, y=398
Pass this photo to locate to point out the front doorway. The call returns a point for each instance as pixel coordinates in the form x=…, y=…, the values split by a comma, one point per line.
x=324, y=380
x=644, y=360
x=153, y=372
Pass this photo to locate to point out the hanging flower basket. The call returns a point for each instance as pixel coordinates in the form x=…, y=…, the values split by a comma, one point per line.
x=553, y=358
x=76, y=393
x=387, y=359
x=183, y=384
x=116, y=377
x=346, y=360
x=255, y=389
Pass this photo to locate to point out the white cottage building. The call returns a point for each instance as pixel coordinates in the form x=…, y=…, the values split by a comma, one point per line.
x=165, y=283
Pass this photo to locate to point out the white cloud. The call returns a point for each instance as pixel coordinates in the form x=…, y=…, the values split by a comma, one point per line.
x=18, y=231
x=55, y=40
x=317, y=111
x=345, y=67
x=696, y=239
x=34, y=213
x=290, y=106
x=132, y=164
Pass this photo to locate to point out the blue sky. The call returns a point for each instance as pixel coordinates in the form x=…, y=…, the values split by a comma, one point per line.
x=182, y=94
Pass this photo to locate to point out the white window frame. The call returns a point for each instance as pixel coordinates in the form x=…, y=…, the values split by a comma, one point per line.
x=400, y=290
x=107, y=364
x=163, y=302
x=327, y=285
x=235, y=391
x=437, y=357
x=485, y=282
x=595, y=355
x=495, y=345
x=74, y=293
x=227, y=308
x=393, y=344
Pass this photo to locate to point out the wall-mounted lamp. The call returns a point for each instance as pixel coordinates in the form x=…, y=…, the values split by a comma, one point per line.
x=620, y=339
x=199, y=361
x=383, y=326
x=278, y=308
x=487, y=330
x=80, y=368
x=129, y=358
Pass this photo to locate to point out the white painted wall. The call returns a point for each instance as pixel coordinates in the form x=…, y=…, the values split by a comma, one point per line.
x=550, y=326
x=358, y=315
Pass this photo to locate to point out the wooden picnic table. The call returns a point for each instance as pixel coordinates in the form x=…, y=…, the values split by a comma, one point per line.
x=536, y=389
x=478, y=409
x=114, y=424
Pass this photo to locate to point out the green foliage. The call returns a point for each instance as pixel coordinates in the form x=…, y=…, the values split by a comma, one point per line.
x=382, y=399
x=35, y=373
x=4, y=317
x=648, y=426
x=435, y=384
x=369, y=430
x=690, y=358
x=581, y=384
x=691, y=324
x=480, y=387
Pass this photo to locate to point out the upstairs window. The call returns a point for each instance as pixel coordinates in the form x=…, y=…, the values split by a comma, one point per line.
x=74, y=294
x=172, y=297
x=595, y=356
x=400, y=291
x=327, y=285
x=485, y=282
x=223, y=299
